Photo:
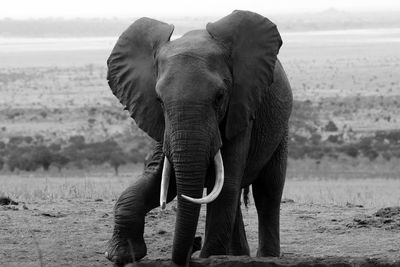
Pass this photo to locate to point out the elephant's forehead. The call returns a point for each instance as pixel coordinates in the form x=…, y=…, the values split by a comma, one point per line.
x=196, y=43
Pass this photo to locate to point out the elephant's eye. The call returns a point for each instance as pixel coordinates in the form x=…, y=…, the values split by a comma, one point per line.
x=159, y=100
x=219, y=98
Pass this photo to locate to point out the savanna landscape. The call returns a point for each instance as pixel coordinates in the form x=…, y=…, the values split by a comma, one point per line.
x=68, y=149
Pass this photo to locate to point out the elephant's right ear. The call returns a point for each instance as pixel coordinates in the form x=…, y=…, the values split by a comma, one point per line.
x=132, y=73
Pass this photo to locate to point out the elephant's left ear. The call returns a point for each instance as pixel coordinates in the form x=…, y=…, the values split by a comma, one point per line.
x=132, y=72
x=253, y=42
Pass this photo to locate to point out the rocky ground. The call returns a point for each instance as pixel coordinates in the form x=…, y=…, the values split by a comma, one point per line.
x=75, y=232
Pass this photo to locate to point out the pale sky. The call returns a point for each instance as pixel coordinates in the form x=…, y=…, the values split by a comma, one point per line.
x=127, y=8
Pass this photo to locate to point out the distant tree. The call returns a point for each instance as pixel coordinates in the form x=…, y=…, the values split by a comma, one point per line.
x=299, y=139
x=297, y=151
x=396, y=153
x=365, y=144
x=117, y=158
x=333, y=156
x=60, y=161
x=43, y=157
x=77, y=140
x=99, y=152
x=333, y=139
x=39, y=139
x=28, y=139
x=22, y=159
x=136, y=156
x=387, y=155
x=3, y=150
x=350, y=151
x=315, y=138
x=331, y=127
x=371, y=154
x=315, y=154
x=55, y=147
x=15, y=141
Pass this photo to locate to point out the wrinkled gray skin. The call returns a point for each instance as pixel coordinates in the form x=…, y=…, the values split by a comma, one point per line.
x=194, y=83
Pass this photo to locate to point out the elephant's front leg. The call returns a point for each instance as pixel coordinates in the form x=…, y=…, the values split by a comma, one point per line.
x=221, y=213
x=239, y=245
x=220, y=222
x=127, y=243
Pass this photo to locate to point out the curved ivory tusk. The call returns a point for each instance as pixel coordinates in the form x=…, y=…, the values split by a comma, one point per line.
x=219, y=182
x=166, y=172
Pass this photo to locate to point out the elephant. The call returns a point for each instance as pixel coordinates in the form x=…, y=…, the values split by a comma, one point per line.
x=217, y=102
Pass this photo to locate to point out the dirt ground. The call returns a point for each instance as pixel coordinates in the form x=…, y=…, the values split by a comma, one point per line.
x=75, y=232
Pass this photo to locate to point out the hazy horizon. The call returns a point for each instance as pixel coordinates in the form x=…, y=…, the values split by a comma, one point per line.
x=176, y=8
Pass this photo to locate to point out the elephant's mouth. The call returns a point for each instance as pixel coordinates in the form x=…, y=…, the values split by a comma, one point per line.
x=219, y=182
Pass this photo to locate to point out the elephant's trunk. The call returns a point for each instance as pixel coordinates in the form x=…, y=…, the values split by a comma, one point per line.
x=190, y=160
x=191, y=141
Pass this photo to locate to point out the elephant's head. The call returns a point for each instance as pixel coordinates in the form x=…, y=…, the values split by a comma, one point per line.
x=193, y=93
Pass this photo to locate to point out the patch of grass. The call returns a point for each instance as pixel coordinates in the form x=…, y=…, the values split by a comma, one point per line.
x=38, y=188
x=368, y=192
x=313, y=187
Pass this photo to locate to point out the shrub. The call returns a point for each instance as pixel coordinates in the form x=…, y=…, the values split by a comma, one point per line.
x=331, y=127
x=315, y=139
x=43, y=157
x=350, y=151
x=315, y=154
x=387, y=155
x=135, y=156
x=60, y=160
x=117, y=158
x=335, y=139
x=22, y=159
x=371, y=154
x=296, y=151
x=77, y=140
x=55, y=147
x=15, y=141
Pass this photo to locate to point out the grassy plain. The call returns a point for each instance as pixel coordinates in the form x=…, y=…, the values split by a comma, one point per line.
x=66, y=218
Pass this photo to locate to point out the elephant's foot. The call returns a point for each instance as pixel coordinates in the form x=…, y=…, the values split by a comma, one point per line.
x=125, y=250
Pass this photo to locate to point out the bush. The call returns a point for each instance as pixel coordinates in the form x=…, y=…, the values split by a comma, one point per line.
x=371, y=154
x=60, y=161
x=135, y=156
x=315, y=139
x=99, y=152
x=331, y=127
x=296, y=151
x=315, y=154
x=2, y=145
x=15, y=141
x=22, y=159
x=350, y=151
x=77, y=140
x=43, y=157
x=117, y=158
x=387, y=155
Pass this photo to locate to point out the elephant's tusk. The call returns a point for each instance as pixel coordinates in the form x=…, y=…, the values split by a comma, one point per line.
x=219, y=182
x=166, y=172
